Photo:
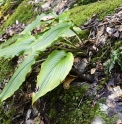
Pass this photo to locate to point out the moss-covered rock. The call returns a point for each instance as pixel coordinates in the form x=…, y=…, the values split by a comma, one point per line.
x=23, y=13
x=80, y=14
x=6, y=115
x=72, y=106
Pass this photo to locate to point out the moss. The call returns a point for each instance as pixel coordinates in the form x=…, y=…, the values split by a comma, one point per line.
x=23, y=13
x=9, y=5
x=80, y=14
x=63, y=106
x=6, y=115
x=117, y=45
x=84, y=34
x=5, y=69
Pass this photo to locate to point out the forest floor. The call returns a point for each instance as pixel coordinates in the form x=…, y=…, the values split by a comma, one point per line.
x=91, y=93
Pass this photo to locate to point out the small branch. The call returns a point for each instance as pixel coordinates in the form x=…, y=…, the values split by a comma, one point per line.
x=80, y=101
x=85, y=77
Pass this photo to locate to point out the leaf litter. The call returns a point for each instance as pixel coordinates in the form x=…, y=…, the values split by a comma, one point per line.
x=110, y=28
x=101, y=32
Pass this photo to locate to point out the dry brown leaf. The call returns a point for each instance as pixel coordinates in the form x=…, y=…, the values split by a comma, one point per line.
x=77, y=59
x=11, y=32
x=45, y=18
x=110, y=103
x=93, y=70
x=99, y=66
x=36, y=106
x=68, y=80
x=118, y=91
x=100, y=31
x=119, y=122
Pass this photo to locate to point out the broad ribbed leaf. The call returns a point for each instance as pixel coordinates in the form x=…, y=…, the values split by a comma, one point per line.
x=49, y=37
x=1, y=2
x=53, y=72
x=17, y=48
x=18, y=78
x=69, y=33
x=37, y=22
x=9, y=41
x=33, y=25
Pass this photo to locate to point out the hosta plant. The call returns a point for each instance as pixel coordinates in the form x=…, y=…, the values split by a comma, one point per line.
x=54, y=69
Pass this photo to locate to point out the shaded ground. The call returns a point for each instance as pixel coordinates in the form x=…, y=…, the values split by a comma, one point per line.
x=97, y=80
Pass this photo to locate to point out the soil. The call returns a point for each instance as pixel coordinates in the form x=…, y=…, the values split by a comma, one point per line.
x=90, y=93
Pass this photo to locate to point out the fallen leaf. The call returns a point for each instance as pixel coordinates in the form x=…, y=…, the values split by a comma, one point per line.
x=68, y=80
x=118, y=91
x=119, y=122
x=36, y=106
x=110, y=103
x=109, y=30
x=93, y=70
x=45, y=18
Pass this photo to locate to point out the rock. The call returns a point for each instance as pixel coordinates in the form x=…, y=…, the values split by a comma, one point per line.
x=98, y=120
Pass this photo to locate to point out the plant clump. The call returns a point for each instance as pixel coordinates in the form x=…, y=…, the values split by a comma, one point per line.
x=50, y=51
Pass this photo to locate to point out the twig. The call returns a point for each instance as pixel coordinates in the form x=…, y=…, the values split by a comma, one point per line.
x=85, y=77
x=80, y=101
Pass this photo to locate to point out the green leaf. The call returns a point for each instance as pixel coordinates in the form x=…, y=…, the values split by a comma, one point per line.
x=33, y=25
x=12, y=40
x=18, y=78
x=111, y=65
x=53, y=72
x=37, y=22
x=77, y=30
x=116, y=57
x=49, y=37
x=1, y=2
x=17, y=48
x=64, y=17
x=69, y=33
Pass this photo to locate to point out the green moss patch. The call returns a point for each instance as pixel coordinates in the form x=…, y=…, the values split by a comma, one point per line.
x=6, y=116
x=23, y=13
x=6, y=69
x=72, y=106
x=80, y=14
